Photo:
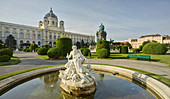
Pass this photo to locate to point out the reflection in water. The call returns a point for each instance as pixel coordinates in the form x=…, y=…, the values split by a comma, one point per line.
x=48, y=87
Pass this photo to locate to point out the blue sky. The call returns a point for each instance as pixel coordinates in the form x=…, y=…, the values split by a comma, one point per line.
x=122, y=19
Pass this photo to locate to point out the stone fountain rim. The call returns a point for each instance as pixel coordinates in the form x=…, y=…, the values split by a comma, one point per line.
x=158, y=88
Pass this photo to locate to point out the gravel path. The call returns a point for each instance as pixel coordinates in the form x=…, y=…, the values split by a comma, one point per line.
x=29, y=60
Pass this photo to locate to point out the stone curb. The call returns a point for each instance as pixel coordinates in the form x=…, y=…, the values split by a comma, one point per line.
x=154, y=86
x=157, y=88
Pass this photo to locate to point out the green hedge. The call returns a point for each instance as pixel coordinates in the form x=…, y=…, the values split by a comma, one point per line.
x=54, y=53
x=154, y=48
x=25, y=50
x=46, y=46
x=136, y=50
x=85, y=51
x=42, y=51
x=4, y=58
x=64, y=44
x=6, y=51
x=103, y=53
x=28, y=50
x=103, y=44
x=2, y=46
x=33, y=47
x=124, y=49
x=140, y=47
x=36, y=49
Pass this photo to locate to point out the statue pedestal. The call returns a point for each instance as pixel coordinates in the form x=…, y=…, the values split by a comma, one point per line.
x=85, y=89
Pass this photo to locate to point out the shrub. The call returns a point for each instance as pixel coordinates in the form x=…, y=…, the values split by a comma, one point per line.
x=85, y=51
x=124, y=49
x=28, y=50
x=36, y=49
x=2, y=46
x=4, y=58
x=64, y=44
x=154, y=48
x=103, y=53
x=136, y=50
x=103, y=44
x=140, y=47
x=25, y=49
x=6, y=51
x=46, y=46
x=20, y=49
x=54, y=53
x=42, y=51
x=33, y=47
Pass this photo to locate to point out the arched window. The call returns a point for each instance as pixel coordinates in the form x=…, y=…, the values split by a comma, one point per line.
x=33, y=36
x=33, y=42
x=39, y=36
x=21, y=42
x=28, y=42
x=53, y=22
x=21, y=35
x=14, y=34
x=39, y=42
x=54, y=37
x=50, y=36
x=54, y=43
x=27, y=35
x=7, y=33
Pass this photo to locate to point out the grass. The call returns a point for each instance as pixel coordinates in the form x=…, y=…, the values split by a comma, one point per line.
x=13, y=61
x=158, y=58
x=23, y=71
x=47, y=58
x=164, y=80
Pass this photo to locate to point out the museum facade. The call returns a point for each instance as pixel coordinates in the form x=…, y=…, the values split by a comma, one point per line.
x=48, y=31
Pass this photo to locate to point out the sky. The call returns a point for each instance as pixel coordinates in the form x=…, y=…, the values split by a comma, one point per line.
x=122, y=19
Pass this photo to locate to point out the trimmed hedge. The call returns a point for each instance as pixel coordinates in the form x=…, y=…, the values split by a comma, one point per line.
x=4, y=58
x=103, y=44
x=2, y=46
x=54, y=53
x=42, y=51
x=85, y=51
x=154, y=48
x=46, y=46
x=36, y=49
x=6, y=51
x=33, y=47
x=140, y=47
x=136, y=50
x=103, y=53
x=124, y=49
x=64, y=44
x=25, y=50
x=28, y=50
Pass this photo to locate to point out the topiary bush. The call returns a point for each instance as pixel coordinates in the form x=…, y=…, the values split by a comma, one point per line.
x=136, y=50
x=85, y=51
x=140, y=47
x=42, y=51
x=25, y=50
x=103, y=44
x=33, y=47
x=6, y=51
x=103, y=53
x=36, y=49
x=46, y=46
x=28, y=50
x=124, y=49
x=64, y=44
x=4, y=58
x=154, y=48
x=54, y=53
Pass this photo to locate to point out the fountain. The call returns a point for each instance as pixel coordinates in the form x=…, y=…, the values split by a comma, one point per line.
x=77, y=79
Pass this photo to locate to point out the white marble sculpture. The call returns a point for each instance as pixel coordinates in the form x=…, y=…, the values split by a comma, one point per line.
x=76, y=74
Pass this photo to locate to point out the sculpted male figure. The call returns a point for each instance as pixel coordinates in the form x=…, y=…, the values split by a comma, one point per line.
x=75, y=65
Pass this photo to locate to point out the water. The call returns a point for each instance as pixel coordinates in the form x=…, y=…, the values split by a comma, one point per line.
x=47, y=87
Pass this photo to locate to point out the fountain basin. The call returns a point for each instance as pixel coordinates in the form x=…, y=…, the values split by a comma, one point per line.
x=158, y=89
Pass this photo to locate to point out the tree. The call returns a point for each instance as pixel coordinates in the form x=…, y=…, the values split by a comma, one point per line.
x=78, y=45
x=10, y=42
x=145, y=42
x=1, y=42
x=128, y=45
x=82, y=43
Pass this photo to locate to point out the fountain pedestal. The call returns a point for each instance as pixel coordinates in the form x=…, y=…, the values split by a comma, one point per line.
x=77, y=79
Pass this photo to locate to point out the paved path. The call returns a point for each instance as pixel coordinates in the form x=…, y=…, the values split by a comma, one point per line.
x=29, y=60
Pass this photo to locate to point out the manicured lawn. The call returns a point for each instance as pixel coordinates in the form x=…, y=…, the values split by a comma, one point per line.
x=47, y=58
x=13, y=61
x=23, y=71
x=158, y=58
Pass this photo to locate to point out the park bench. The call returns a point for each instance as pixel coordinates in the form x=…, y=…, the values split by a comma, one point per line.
x=139, y=56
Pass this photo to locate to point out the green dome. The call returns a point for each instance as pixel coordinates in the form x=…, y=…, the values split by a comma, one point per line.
x=101, y=27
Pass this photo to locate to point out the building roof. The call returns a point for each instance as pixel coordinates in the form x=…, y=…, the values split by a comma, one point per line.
x=50, y=14
x=134, y=40
x=155, y=35
x=167, y=38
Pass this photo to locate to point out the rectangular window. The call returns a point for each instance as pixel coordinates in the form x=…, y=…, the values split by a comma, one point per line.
x=21, y=29
x=7, y=28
